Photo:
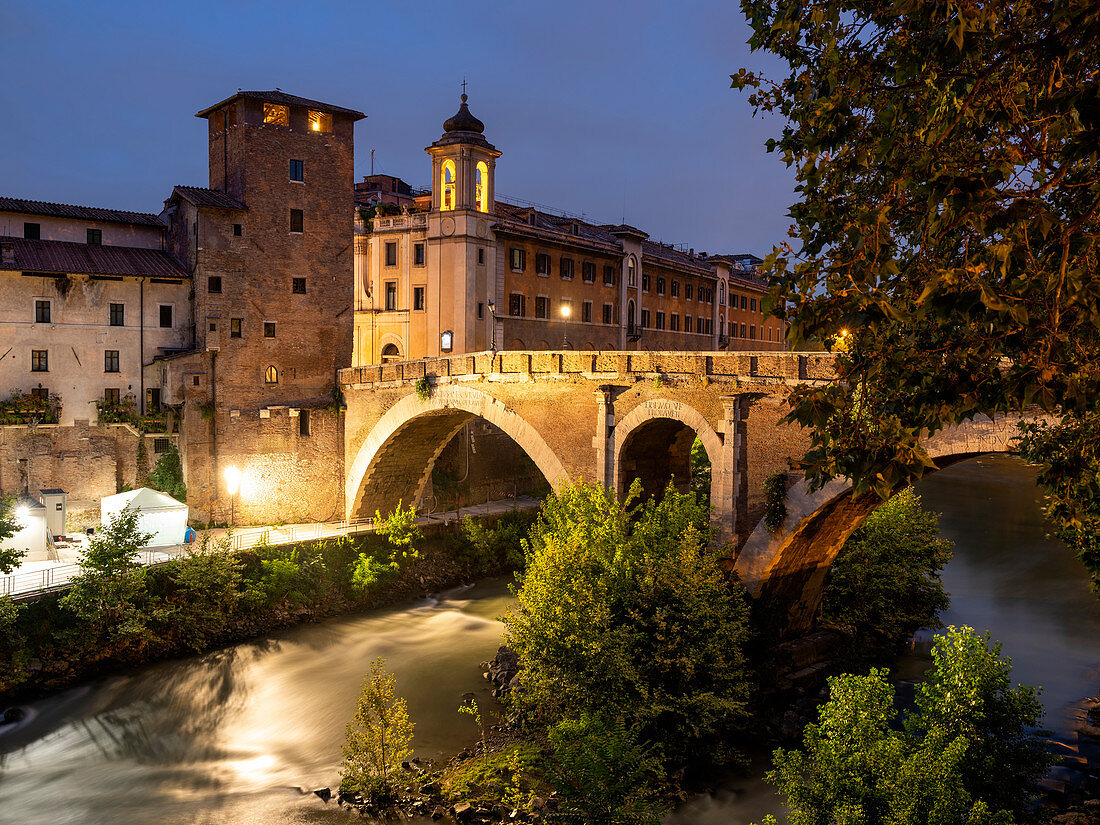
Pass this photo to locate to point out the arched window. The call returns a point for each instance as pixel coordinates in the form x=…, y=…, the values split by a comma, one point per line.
x=721, y=326
x=722, y=293
x=390, y=353
x=447, y=186
x=630, y=318
x=631, y=275
x=481, y=186
x=271, y=376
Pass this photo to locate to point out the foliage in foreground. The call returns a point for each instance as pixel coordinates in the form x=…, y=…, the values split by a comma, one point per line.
x=948, y=171
x=378, y=738
x=167, y=474
x=885, y=582
x=624, y=613
x=967, y=754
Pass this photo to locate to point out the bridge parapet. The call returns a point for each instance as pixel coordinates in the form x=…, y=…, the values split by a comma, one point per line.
x=756, y=367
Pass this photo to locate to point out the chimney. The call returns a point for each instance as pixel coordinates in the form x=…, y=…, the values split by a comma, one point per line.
x=691, y=252
x=7, y=252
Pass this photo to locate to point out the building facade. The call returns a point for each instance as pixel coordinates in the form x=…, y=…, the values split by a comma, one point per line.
x=460, y=271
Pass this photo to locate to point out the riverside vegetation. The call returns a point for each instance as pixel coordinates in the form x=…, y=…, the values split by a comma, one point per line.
x=636, y=669
x=118, y=614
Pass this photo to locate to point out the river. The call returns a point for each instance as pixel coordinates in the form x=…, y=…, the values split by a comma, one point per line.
x=231, y=736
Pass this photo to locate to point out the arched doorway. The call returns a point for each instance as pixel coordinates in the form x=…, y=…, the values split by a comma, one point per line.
x=390, y=354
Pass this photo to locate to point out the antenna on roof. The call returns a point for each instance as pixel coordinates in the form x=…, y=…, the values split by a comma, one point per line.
x=624, y=203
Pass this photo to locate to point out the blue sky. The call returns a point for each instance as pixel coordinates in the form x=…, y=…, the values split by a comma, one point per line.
x=591, y=103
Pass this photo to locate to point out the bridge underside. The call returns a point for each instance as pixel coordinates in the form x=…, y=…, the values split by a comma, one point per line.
x=655, y=453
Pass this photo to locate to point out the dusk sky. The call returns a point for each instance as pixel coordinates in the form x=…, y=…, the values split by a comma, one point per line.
x=588, y=101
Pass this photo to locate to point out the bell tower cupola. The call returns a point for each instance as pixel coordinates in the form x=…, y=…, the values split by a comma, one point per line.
x=463, y=165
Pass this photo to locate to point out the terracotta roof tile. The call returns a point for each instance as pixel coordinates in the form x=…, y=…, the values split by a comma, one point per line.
x=201, y=196
x=83, y=213
x=89, y=259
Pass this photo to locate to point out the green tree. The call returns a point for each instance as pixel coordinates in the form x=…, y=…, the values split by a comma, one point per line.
x=205, y=593
x=167, y=474
x=400, y=529
x=951, y=763
x=948, y=175
x=113, y=549
x=9, y=558
x=700, y=471
x=624, y=611
x=378, y=737
x=885, y=582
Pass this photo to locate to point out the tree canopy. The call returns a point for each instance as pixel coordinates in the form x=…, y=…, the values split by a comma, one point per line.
x=947, y=158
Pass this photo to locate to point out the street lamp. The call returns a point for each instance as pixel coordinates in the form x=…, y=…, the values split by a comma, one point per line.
x=492, y=326
x=232, y=484
x=566, y=309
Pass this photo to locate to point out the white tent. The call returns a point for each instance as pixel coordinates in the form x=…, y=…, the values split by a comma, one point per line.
x=30, y=530
x=158, y=513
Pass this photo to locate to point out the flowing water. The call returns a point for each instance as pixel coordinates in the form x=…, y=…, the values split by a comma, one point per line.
x=231, y=736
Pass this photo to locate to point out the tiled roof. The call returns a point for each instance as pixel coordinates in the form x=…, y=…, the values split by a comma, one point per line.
x=207, y=197
x=89, y=259
x=674, y=256
x=283, y=99
x=83, y=213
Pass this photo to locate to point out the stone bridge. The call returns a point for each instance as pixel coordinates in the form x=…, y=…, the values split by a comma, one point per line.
x=610, y=417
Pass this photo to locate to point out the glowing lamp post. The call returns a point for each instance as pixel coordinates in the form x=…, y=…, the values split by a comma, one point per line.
x=566, y=309
x=232, y=485
x=492, y=326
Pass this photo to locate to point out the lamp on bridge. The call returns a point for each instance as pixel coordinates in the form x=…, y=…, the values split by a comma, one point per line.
x=566, y=310
x=492, y=326
x=232, y=485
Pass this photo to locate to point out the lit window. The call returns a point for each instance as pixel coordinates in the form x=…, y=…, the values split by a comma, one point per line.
x=298, y=286
x=95, y=237
x=42, y=312
x=271, y=376
x=110, y=360
x=269, y=329
x=320, y=121
x=517, y=305
x=446, y=340
x=418, y=297
x=276, y=115
x=722, y=293
x=447, y=186
x=118, y=315
x=235, y=327
x=481, y=186
x=40, y=360
x=517, y=258
x=297, y=170
x=297, y=220
x=631, y=273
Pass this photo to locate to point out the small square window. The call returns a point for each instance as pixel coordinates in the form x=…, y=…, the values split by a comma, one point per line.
x=165, y=316
x=118, y=315
x=391, y=253
x=213, y=327
x=269, y=329
x=42, y=312
x=95, y=237
x=320, y=121
x=214, y=284
x=110, y=360
x=32, y=231
x=112, y=396
x=235, y=325
x=237, y=230
x=40, y=360
x=418, y=254
x=276, y=115
x=418, y=297
x=298, y=286
x=160, y=445
x=194, y=380
x=297, y=220
x=297, y=170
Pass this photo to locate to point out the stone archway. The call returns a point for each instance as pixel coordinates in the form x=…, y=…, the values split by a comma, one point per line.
x=790, y=565
x=395, y=460
x=654, y=441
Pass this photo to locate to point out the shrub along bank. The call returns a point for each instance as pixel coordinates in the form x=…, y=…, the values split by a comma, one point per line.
x=118, y=614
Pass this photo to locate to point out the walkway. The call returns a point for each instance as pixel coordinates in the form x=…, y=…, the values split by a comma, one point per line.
x=34, y=577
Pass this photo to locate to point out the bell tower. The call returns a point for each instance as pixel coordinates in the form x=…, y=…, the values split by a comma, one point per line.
x=462, y=270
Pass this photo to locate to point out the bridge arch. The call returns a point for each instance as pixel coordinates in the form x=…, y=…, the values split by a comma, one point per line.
x=789, y=566
x=654, y=441
x=396, y=458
